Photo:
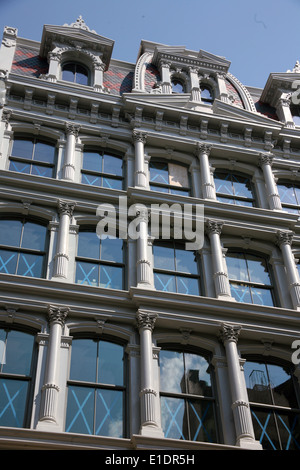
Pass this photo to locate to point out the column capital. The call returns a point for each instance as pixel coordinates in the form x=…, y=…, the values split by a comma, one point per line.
x=57, y=314
x=265, y=159
x=214, y=226
x=139, y=136
x=66, y=208
x=203, y=148
x=284, y=238
x=146, y=320
x=72, y=129
x=229, y=333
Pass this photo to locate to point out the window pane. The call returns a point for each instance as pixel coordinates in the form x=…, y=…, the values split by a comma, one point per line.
x=81, y=75
x=257, y=382
x=34, y=236
x=39, y=170
x=241, y=186
x=172, y=414
x=8, y=261
x=22, y=148
x=237, y=267
x=187, y=285
x=44, y=152
x=201, y=421
x=19, y=349
x=92, y=161
x=262, y=296
x=30, y=265
x=258, y=271
x=110, y=363
x=178, y=175
x=10, y=232
x=92, y=180
x=186, y=261
x=171, y=371
x=112, y=249
x=13, y=394
x=80, y=411
x=109, y=413
x=20, y=167
x=282, y=387
x=87, y=273
x=159, y=173
x=265, y=429
x=241, y=293
x=111, y=183
x=223, y=183
x=289, y=430
x=165, y=282
x=84, y=360
x=164, y=257
x=88, y=245
x=111, y=277
x=112, y=165
x=68, y=72
x=197, y=375
x=287, y=194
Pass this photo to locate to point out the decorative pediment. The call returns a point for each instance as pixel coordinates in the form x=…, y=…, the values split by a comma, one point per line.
x=77, y=35
x=279, y=84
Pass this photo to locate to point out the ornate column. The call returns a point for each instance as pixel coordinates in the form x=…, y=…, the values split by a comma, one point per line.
x=283, y=108
x=223, y=93
x=284, y=241
x=240, y=405
x=61, y=258
x=143, y=263
x=139, y=139
x=265, y=162
x=68, y=170
x=165, y=77
x=195, y=88
x=208, y=188
x=99, y=68
x=50, y=389
x=148, y=396
x=220, y=275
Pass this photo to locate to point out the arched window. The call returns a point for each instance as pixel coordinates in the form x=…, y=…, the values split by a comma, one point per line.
x=99, y=262
x=23, y=246
x=233, y=188
x=33, y=156
x=206, y=94
x=187, y=398
x=290, y=197
x=250, y=278
x=175, y=269
x=75, y=73
x=169, y=177
x=16, y=377
x=178, y=85
x=274, y=400
x=96, y=388
x=101, y=168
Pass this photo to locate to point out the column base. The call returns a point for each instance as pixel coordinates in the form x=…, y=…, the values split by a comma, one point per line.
x=48, y=426
x=249, y=444
x=151, y=431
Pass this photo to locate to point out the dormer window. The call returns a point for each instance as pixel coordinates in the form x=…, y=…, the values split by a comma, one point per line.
x=75, y=73
x=177, y=86
x=206, y=94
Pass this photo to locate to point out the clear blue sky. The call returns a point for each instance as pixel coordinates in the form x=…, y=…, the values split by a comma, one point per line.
x=257, y=36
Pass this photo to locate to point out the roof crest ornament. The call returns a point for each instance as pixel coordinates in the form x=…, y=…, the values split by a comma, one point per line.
x=296, y=69
x=80, y=23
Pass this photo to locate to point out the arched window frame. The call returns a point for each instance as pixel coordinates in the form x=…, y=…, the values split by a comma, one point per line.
x=76, y=65
x=166, y=185
x=92, y=176
x=290, y=189
x=188, y=398
x=19, y=411
x=233, y=198
x=105, y=389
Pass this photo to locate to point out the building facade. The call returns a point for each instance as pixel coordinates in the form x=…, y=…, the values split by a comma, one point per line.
x=132, y=338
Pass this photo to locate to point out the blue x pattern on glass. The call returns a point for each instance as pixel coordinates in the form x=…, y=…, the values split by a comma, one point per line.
x=264, y=426
x=10, y=405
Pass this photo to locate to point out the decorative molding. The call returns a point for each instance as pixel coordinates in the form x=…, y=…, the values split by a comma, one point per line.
x=229, y=333
x=146, y=320
x=57, y=314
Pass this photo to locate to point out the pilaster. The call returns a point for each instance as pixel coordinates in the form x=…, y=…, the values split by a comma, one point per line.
x=284, y=241
x=265, y=162
x=208, y=187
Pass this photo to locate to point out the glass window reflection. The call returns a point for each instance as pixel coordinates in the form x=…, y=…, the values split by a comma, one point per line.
x=102, y=169
x=233, y=188
x=33, y=156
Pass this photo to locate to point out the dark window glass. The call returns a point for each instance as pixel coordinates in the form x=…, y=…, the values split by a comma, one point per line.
x=22, y=247
x=99, y=262
x=295, y=110
x=175, y=269
x=233, y=188
x=187, y=402
x=96, y=394
x=249, y=278
x=169, y=177
x=33, y=156
x=16, y=355
x=76, y=73
x=274, y=405
x=102, y=169
x=290, y=197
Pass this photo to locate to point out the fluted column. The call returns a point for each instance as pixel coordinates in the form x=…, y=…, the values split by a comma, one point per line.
x=61, y=259
x=240, y=404
x=208, y=188
x=195, y=87
x=68, y=171
x=143, y=262
x=50, y=389
x=139, y=139
x=148, y=396
x=265, y=162
x=165, y=77
x=221, y=281
x=284, y=241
